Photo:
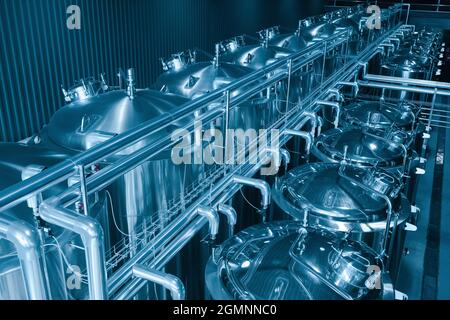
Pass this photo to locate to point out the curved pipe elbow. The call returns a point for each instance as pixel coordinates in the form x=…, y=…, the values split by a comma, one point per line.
x=213, y=219
x=336, y=107
x=309, y=139
x=262, y=186
x=27, y=242
x=91, y=234
x=285, y=156
x=168, y=281
x=229, y=213
x=337, y=94
x=313, y=118
x=88, y=228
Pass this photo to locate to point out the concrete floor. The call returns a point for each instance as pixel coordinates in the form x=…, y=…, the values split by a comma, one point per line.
x=425, y=271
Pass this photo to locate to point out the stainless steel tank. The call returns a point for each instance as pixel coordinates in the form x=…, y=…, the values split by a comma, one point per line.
x=365, y=147
x=257, y=56
x=349, y=19
x=304, y=80
x=286, y=261
x=62, y=250
x=384, y=116
x=186, y=77
x=317, y=29
x=253, y=56
x=410, y=66
x=142, y=196
x=321, y=195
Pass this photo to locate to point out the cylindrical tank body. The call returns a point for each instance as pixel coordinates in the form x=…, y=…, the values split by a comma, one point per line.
x=318, y=29
x=350, y=20
x=304, y=80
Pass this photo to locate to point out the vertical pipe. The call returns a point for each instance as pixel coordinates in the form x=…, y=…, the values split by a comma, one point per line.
x=27, y=241
x=83, y=189
x=91, y=234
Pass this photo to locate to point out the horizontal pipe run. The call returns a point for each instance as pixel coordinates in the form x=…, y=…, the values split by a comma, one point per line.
x=417, y=82
x=380, y=85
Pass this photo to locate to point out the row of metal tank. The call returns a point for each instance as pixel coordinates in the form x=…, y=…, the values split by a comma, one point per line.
x=37, y=259
x=335, y=243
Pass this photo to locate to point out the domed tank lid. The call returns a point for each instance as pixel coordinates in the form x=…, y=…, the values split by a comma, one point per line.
x=291, y=41
x=255, y=56
x=317, y=28
x=285, y=261
x=83, y=124
x=197, y=79
x=323, y=192
x=345, y=18
x=360, y=146
x=380, y=115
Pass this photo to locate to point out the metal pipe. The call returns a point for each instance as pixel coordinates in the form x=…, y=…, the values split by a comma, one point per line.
x=166, y=255
x=27, y=242
x=261, y=185
x=286, y=157
x=403, y=88
x=319, y=126
x=336, y=106
x=168, y=281
x=337, y=94
x=91, y=234
x=304, y=135
x=312, y=118
x=83, y=189
x=230, y=214
x=417, y=82
x=353, y=84
x=213, y=219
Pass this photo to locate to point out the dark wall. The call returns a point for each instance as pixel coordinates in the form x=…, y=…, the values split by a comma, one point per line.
x=38, y=53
